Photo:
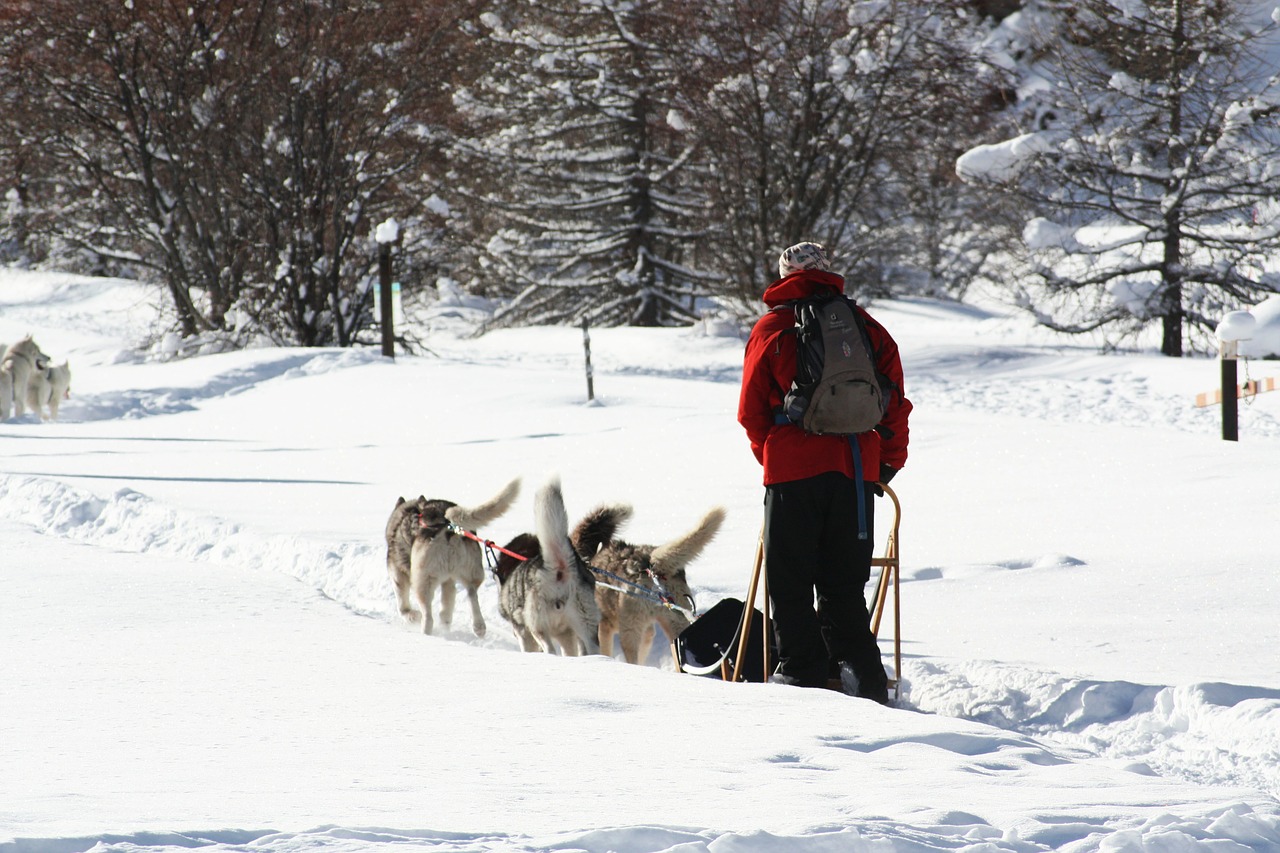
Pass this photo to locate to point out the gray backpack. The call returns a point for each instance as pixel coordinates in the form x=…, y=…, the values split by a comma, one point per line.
x=837, y=390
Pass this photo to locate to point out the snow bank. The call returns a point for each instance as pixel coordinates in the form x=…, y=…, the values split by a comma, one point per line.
x=1264, y=340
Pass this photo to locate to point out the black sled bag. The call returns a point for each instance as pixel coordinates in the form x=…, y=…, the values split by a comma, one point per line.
x=713, y=639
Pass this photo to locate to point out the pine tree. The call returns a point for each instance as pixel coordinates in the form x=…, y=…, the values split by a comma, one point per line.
x=579, y=161
x=1154, y=161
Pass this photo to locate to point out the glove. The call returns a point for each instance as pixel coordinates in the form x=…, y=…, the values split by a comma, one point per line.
x=886, y=474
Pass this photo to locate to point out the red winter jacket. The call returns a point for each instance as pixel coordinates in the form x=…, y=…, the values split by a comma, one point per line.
x=788, y=452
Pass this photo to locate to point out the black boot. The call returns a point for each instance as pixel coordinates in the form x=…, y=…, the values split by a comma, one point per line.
x=875, y=689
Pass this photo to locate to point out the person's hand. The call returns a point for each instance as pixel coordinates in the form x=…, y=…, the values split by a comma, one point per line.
x=886, y=474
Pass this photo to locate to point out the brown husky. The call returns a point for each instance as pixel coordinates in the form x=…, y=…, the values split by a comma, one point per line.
x=626, y=611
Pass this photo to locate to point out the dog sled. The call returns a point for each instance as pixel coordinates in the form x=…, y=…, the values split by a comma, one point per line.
x=733, y=641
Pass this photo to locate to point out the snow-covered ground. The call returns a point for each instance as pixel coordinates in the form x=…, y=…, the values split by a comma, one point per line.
x=199, y=648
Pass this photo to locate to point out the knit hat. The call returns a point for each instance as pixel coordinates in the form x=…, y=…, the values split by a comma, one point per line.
x=803, y=256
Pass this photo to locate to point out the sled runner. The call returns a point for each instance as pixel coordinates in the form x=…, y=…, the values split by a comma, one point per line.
x=732, y=641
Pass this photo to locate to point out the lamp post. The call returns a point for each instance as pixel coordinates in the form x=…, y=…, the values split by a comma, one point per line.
x=386, y=235
x=1234, y=327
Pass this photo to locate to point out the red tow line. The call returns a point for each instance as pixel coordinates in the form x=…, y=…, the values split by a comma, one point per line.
x=488, y=543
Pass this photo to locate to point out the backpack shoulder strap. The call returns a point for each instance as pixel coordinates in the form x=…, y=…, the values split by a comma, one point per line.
x=865, y=322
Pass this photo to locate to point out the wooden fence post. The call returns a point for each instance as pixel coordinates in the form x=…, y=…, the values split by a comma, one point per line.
x=1234, y=327
x=586, y=347
x=1230, y=404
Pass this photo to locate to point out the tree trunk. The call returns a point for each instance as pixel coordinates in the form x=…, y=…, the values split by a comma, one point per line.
x=1171, y=345
x=1171, y=313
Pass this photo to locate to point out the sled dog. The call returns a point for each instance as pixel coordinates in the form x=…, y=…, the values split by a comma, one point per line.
x=632, y=617
x=424, y=553
x=549, y=598
x=48, y=388
x=18, y=363
x=596, y=528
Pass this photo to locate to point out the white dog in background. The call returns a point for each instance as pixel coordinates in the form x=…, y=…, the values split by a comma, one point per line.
x=20, y=362
x=48, y=388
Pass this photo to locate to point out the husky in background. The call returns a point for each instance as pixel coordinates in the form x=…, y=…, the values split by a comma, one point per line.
x=424, y=553
x=631, y=617
x=48, y=388
x=18, y=363
x=549, y=598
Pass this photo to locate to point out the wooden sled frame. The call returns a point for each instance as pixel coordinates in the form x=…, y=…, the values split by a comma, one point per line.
x=890, y=566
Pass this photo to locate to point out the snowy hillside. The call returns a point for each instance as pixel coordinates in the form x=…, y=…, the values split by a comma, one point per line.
x=202, y=650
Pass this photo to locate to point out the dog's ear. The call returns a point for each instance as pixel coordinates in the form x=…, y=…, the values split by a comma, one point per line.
x=399, y=501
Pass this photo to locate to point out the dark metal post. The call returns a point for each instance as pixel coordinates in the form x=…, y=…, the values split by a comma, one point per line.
x=586, y=347
x=1230, y=405
x=384, y=291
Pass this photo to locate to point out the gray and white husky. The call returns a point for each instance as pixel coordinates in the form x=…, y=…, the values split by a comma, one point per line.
x=17, y=364
x=549, y=598
x=426, y=553
x=625, y=611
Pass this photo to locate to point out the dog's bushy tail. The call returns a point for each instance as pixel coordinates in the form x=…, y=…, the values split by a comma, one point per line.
x=598, y=527
x=552, y=524
x=476, y=517
x=678, y=553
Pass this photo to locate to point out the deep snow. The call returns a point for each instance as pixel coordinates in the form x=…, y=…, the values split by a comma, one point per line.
x=200, y=646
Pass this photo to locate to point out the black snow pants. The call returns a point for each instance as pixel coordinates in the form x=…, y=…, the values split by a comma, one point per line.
x=811, y=547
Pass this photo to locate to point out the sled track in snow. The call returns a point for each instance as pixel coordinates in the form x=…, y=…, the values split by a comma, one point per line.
x=1216, y=734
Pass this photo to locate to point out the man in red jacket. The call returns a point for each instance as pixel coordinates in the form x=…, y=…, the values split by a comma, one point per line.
x=811, y=528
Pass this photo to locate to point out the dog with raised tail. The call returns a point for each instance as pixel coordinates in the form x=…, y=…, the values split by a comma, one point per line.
x=597, y=527
x=636, y=581
x=428, y=550
x=549, y=597
x=18, y=362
